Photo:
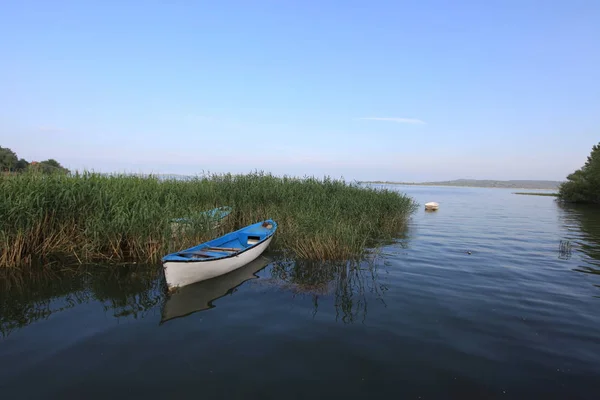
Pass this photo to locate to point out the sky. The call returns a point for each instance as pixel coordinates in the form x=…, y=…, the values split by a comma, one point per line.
x=367, y=90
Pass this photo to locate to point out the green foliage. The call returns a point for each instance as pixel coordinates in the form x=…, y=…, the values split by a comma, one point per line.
x=583, y=185
x=52, y=163
x=10, y=162
x=21, y=165
x=50, y=166
x=94, y=217
x=8, y=159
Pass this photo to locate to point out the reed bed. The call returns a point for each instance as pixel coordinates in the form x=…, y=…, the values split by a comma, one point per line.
x=92, y=217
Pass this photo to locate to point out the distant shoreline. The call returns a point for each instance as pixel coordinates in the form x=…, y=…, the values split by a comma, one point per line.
x=474, y=183
x=537, y=194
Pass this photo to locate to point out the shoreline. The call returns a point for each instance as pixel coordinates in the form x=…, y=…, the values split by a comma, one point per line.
x=458, y=186
x=537, y=194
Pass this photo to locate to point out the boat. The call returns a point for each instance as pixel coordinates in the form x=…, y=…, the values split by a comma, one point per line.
x=200, y=296
x=432, y=206
x=218, y=256
x=210, y=219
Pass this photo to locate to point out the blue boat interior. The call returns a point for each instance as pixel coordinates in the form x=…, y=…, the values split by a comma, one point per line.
x=227, y=245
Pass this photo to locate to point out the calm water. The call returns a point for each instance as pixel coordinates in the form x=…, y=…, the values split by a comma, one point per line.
x=495, y=295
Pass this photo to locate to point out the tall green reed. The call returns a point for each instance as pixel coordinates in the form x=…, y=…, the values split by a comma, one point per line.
x=114, y=218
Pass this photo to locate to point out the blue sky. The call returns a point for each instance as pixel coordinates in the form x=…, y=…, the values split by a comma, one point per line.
x=419, y=90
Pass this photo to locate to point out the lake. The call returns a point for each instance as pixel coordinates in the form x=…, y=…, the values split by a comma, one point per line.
x=495, y=295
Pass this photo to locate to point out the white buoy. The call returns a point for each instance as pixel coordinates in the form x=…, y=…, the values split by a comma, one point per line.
x=432, y=206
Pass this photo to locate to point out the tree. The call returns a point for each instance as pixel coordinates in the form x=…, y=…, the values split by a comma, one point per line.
x=583, y=185
x=52, y=162
x=51, y=166
x=8, y=159
x=21, y=165
x=10, y=162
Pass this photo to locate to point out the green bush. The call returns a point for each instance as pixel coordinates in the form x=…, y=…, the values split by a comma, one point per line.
x=583, y=185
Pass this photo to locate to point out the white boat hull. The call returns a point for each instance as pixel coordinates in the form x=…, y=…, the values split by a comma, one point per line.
x=200, y=296
x=184, y=273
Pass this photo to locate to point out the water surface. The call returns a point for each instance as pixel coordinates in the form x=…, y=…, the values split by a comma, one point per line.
x=494, y=295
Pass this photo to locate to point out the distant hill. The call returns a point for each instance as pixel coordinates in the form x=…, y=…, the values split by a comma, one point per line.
x=512, y=184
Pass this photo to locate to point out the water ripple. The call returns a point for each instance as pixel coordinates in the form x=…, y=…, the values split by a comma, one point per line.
x=492, y=296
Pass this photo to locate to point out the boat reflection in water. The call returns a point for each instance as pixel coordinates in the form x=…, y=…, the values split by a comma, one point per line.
x=200, y=296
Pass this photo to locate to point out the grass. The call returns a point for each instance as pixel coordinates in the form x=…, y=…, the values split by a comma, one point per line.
x=537, y=194
x=123, y=218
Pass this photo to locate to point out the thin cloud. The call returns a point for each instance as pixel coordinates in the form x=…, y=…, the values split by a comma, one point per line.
x=399, y=120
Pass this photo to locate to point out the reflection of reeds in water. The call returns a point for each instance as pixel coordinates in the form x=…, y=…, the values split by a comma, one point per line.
x=28, y=296
x=564, y=250
x=583, y=221
x=349, y=282
x=129, y=291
